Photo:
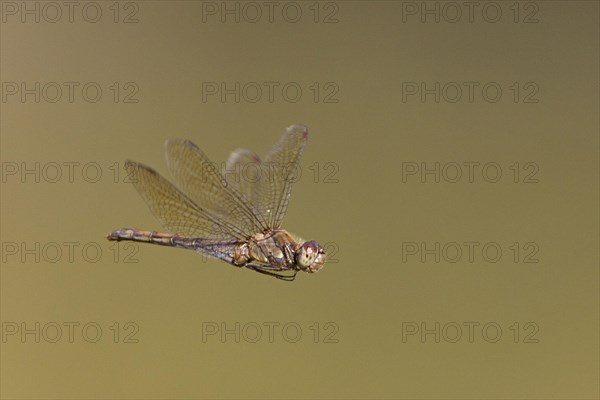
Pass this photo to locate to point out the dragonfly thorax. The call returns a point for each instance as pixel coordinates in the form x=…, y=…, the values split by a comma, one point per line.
x=275, y=246
x=281, y=248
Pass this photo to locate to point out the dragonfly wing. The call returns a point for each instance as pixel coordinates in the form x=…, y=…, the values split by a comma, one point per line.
x=175, y=210
x=223, y=250
x=203, y=182
x=280, y=169
x=243, y=171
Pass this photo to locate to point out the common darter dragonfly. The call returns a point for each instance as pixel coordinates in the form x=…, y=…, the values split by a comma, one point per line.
x=220, y=213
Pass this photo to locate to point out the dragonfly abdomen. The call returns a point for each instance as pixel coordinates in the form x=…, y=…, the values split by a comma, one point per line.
x=233, y=252
x=162, y=238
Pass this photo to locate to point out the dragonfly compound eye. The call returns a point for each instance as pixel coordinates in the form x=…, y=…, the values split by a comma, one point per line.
x=310, y=257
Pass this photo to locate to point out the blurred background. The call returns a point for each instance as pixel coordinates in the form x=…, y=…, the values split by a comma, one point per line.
x=451, y=171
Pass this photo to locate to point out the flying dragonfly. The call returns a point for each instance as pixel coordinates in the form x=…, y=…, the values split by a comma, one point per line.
x=225, y=216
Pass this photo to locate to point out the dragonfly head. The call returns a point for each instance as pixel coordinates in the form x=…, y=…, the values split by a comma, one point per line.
x=310, y=257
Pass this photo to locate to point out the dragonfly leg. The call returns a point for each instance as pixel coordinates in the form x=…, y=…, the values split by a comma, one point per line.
x=287, y=278
x=289, y=254
x=272, y=273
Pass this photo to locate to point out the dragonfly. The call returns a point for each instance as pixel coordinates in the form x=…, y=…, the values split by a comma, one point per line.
x=228, y=213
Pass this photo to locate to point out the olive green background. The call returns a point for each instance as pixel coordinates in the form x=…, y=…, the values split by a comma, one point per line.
x=359, y=203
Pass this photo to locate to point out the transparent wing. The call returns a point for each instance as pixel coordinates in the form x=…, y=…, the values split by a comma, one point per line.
x=175, y=210
x=279, y=171
x=223, y=250
x=243, y=171
x=203, y=183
